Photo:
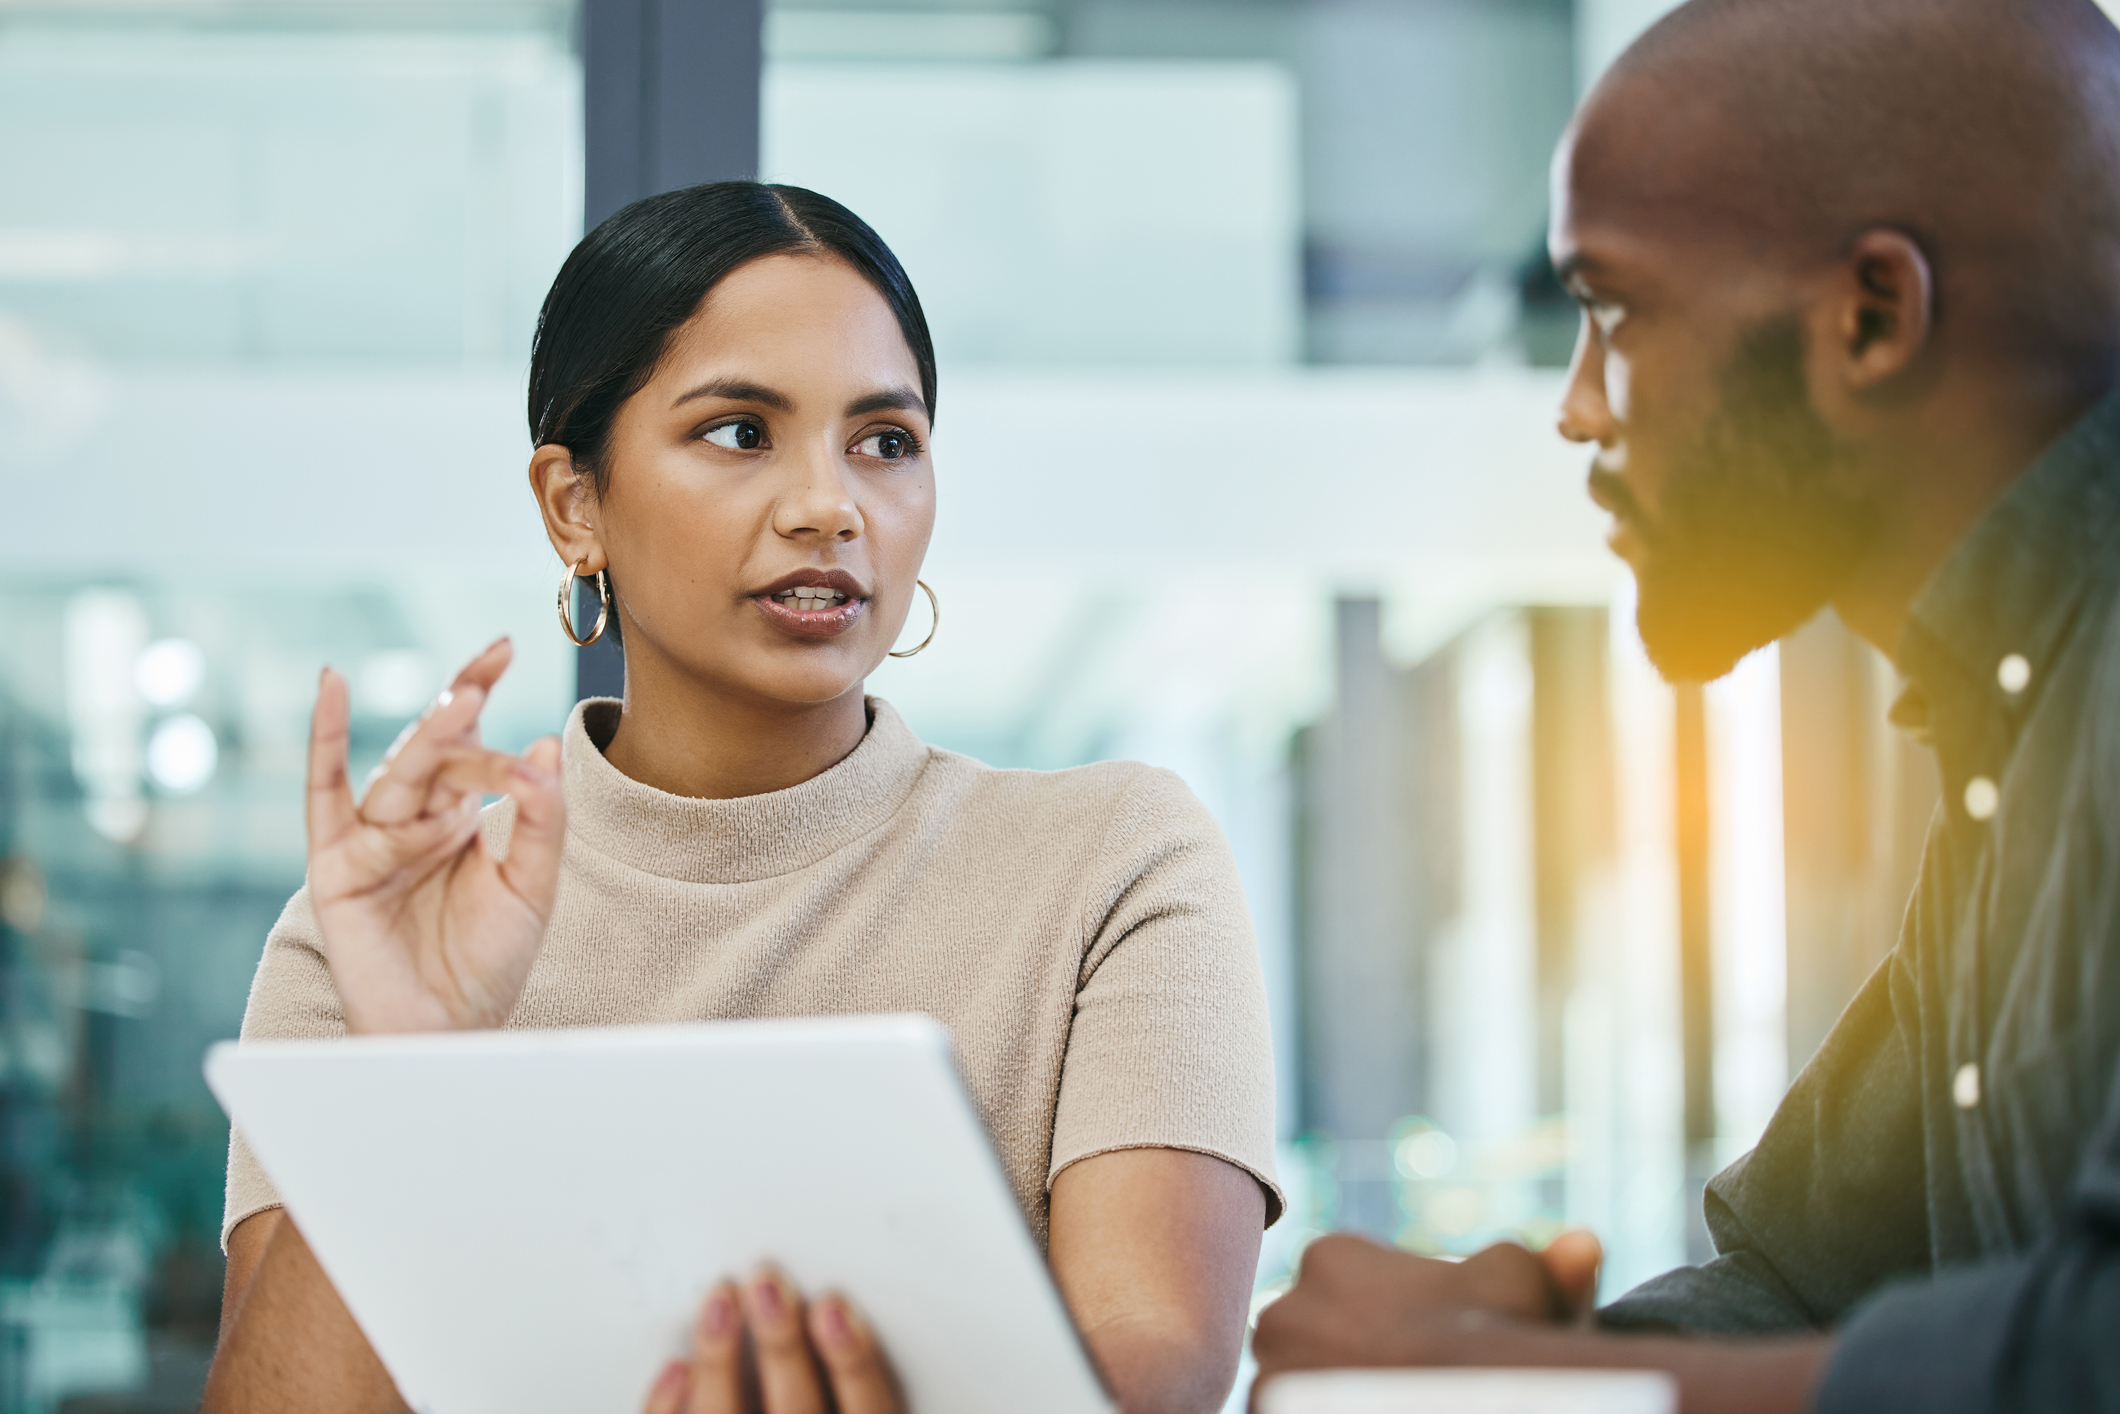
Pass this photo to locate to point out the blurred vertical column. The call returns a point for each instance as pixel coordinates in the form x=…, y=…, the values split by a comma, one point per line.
x=1575, y=822
x=1467, y=982
x=1627, y=1035
x=669, y=99
x=1826, y=826
x=1696, y=981
x=24, y=1121
x=1857, y=796
x=1363, y=963
x=1484, y=1010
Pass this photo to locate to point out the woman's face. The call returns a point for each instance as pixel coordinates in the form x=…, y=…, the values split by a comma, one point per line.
x=769, y=496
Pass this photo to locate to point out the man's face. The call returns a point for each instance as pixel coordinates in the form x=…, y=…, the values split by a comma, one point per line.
x=1729, y=495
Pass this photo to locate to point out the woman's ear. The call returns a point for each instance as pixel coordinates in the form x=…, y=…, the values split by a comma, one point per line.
x=567, y=500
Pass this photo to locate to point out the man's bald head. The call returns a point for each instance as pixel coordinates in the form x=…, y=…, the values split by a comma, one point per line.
x=1848, y=266
x=1986, y=130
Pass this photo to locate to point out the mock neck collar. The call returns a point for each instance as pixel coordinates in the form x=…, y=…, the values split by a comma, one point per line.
x=733, y=841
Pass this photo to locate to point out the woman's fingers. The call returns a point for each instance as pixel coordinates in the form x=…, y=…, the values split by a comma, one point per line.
x=853, y=1360
x=668, y=1395
x=399, y=793
x=788, y=1343
x=788, y=1378
x=531, y=870
x=330, y=803
x=431, y=840
x=466, y=775
x=485, y=670
x=426, y=771
x=715, y=1377
x=450, y=822
x=482, y=673
x=461, y=771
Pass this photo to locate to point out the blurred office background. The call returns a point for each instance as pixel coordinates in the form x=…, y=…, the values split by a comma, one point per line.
x=1249, y=355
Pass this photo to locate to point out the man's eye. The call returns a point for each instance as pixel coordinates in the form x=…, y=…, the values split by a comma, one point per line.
x=886, y=446
x=737, y=436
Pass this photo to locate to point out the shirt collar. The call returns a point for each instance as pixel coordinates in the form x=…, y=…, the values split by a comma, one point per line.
x=2011, y=589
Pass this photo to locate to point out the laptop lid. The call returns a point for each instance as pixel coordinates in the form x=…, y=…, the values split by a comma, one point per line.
x=528, y=1220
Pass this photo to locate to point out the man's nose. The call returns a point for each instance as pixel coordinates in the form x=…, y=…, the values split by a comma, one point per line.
x=1586, y=411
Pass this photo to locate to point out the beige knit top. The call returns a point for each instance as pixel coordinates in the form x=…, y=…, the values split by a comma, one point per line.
x=1082, y=933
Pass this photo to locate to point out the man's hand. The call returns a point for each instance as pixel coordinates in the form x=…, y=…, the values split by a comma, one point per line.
x=1572, y=1262
x=1359, y=1303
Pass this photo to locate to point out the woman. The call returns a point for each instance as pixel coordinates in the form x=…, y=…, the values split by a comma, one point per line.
x=730, y=400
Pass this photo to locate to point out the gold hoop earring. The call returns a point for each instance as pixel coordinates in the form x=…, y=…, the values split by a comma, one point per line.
x=566, y=606
x=934, y=608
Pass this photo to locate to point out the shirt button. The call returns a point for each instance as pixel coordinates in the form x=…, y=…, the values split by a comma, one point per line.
x=1965, y=1086
x=2015, y=674
x=1981, y=798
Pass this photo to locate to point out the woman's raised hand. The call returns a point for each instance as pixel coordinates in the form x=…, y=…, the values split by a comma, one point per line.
x=806, y=1358
x=422, y=928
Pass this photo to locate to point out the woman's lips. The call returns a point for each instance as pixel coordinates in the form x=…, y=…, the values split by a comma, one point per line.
x=811, y=623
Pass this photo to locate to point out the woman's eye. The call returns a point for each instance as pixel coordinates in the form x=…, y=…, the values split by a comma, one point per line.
x=887, y=446
x=737, y=436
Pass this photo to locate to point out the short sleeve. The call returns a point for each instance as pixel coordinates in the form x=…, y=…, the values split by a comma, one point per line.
x=291, y=998
x=1170, y=1046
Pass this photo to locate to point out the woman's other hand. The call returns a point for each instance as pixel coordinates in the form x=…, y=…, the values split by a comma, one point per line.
x=806, y=1358
x=422, y=928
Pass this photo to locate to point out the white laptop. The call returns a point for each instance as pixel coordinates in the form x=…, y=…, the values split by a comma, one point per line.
x=1472, y=1392
x=527, y=1221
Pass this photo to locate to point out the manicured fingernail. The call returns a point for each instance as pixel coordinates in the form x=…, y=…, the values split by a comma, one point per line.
x=494, y=644
x=671, y=1379
x=719, y=1319
x=765, y=1294
x=444, y=700
x=838, y=1330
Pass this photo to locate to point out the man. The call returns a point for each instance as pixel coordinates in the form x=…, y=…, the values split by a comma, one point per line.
x=1851, y=279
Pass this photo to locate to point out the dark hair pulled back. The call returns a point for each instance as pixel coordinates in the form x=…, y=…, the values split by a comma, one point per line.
x=642, y=273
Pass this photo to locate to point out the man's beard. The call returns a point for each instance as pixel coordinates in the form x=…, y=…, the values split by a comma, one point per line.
x=1756, y=530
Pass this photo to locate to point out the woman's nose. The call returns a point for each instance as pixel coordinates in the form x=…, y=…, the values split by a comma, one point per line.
x=820, y=504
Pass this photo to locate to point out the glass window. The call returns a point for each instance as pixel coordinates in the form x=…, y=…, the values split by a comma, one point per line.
x=268, y=274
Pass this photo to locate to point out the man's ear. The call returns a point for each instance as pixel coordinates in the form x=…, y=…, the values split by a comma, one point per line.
x=567, y=501
x=1882, y=308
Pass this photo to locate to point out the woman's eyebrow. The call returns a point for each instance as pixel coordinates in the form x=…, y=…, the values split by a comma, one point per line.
x=889, y=400
x=737, y=391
